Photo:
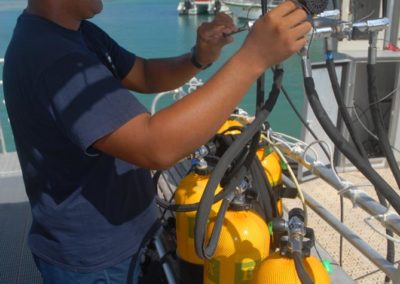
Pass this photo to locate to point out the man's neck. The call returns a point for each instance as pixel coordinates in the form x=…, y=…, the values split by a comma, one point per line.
x=54, y=14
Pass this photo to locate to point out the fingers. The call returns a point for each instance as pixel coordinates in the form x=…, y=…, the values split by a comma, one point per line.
x=285, y=8
x=295, y=17
x=222, y=19
x=301, y=30
x=208, y=31
x=221, y=26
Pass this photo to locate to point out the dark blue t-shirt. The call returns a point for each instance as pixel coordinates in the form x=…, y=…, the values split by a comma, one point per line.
x=90, y=210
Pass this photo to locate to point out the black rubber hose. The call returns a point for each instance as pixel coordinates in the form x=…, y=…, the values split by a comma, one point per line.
x=210, y=248
x=384, y=8
x=250, y=133
x=385, y=189
x=241, y=170
x=275, y=89
x=265, y=190
x=383, y=142
x=356, y=140
x=300, y=269
x=335, y=4
x=217, y=174
x=303, y=121
x=379, y=124
x=337, y=91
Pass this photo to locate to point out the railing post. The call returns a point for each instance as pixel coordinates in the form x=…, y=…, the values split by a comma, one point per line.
x=2, y=140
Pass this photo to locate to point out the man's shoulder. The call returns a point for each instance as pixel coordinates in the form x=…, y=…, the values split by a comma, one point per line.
x=41, y=41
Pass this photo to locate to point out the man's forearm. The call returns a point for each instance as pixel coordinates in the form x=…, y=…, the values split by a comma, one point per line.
x=169, y=73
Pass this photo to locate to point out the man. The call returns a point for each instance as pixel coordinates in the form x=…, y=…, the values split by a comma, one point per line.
x=85, y=144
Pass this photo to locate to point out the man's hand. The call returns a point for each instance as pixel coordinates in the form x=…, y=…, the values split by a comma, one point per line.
x=276, y=36
x=211, y=38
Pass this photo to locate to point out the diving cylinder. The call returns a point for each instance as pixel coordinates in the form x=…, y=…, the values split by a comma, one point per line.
x=277, y=269
x=243, y=243
x=271, y=163
x=296, y=244
x=190, y=191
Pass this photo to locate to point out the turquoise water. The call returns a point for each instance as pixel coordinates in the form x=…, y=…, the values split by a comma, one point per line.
x=153, y=28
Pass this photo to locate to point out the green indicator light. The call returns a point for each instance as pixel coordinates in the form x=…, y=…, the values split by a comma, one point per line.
x=327, y=264
x=270, y=228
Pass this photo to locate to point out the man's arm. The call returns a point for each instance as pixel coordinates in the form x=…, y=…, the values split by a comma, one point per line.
x=157, y=75
x=161, y=140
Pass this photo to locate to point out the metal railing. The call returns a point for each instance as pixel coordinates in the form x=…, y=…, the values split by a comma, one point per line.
x=2, y=140
x=390, y=220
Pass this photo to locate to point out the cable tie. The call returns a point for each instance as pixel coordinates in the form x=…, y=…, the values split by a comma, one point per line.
x=381, y=218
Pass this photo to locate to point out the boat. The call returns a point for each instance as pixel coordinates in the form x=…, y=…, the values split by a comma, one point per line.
x=248, y=9
x=331, y=188
x=195, y=7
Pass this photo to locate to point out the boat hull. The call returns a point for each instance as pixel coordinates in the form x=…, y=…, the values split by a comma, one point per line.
x=244, y=10
x=201, y=7
x=248, y=9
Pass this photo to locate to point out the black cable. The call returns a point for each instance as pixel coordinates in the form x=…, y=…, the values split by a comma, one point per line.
x=216, y=176
x=323, y=118
x=252, y=132
x=357, y=142
x=337, y=91
x=341, y=237
x=383, y=142
x=384, y=8
x=335, y=4
x=300, y=269
x=242, y=169
x=379, y=124
x=209, y=250
x=276, y=87
x=266, y=191
x=304, y=122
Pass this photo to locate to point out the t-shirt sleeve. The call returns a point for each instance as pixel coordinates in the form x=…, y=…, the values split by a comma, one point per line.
x=85, y=100
x=121, y=57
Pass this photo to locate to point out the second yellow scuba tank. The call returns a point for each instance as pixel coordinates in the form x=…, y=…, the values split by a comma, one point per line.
x=243, y=243
x=277, y=269
x=293, y=264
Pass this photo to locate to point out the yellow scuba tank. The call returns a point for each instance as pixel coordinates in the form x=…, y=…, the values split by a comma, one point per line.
x=243, y=243
x=230, y=123
x=277, y=269
x=293, y=258
x=190, y=191
x=271, y=163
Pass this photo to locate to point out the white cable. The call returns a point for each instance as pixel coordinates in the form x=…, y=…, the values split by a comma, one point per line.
x=157, y=98
x=387, y=96
x=178, y=93
x=378, y=218
x=363, y=125
x=369, y=131
x=294, y=179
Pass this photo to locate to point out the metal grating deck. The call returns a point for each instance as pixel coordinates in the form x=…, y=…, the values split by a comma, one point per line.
x=16, y=262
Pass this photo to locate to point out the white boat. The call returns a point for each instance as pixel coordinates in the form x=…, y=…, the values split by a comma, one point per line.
x=194, y=7
x=248, y=9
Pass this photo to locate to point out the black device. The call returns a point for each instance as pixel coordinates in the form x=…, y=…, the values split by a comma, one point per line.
x=314, y=7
